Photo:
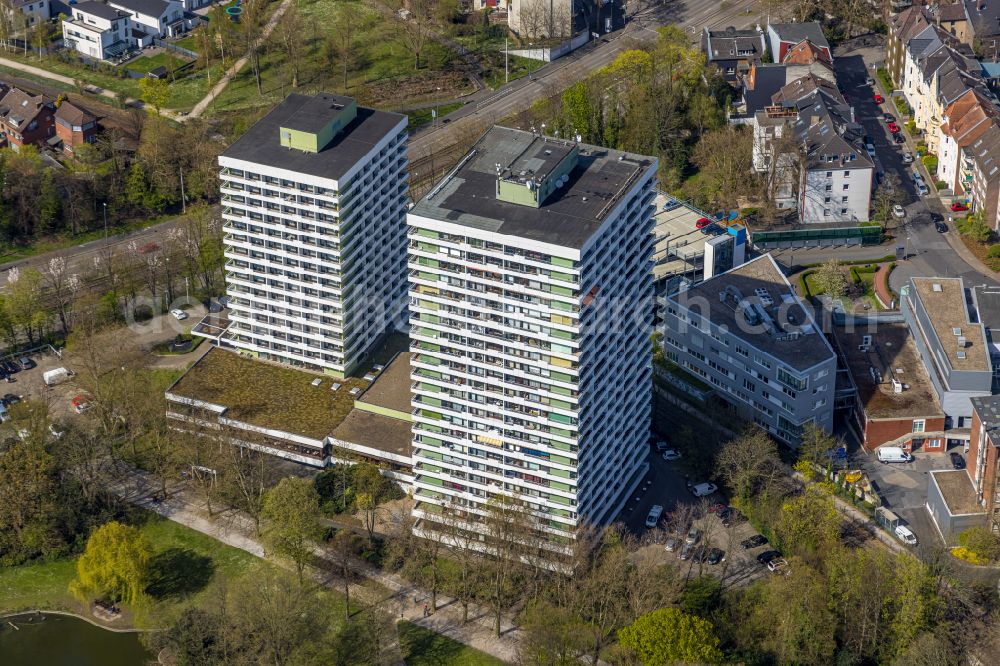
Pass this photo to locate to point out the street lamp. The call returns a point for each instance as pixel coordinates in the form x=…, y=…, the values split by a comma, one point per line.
x=105, y=222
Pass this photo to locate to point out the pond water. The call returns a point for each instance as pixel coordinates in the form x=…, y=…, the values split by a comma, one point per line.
x=59, y=640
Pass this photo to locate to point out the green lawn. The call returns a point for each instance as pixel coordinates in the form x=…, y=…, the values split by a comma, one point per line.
x=46, y=585
x=189, y=43
x=421, y=647
x=422, y=117
x=146, y=64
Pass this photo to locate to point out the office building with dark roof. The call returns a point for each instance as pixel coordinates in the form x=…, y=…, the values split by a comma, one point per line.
x=530, y=292
x=748, y=335
x=314, y=199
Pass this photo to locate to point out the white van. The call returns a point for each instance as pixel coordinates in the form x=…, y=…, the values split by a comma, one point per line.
x=654, y=516
x=56, y=376
x=893, y=454
x=904, y=534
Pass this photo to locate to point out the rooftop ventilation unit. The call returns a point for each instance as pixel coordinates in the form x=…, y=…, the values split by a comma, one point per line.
x=962, y=342
x=956, y=331
x=936, y=287
x=960, y=355
x=897, y=386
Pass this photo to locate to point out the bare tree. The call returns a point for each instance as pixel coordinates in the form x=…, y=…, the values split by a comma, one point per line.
x=507, y=533
x=749, y=464
x=290, y=35
x=415, y=28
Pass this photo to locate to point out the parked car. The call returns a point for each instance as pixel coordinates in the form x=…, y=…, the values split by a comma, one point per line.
x=715, y=555
x=941, y=227
x=655, y=512
x=778, y=565
x=906, y=535
x=907, y=158
x=661, y=446
x=179, y=314
x=892, y=454
x=718, y=508
x=767, y=556
x=732, y=517
x=878, y=99
x=25, y=363
x=958, y=207
x=702, y=223
x=869, y=81
x=693, y=535
x=81, y=403
x=922, y=189
x=755, y=541
x=703, y=489
x=11, y=399
x=671, y=454
x=957, y=461
x=687, y=551
x=898, y=138
x=889, y=118
x=10, y=366
x=672, y=543
x=898, y=211
x=893, y=127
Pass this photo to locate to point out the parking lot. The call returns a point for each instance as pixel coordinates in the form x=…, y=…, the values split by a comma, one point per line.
x=903, y=488
x=28, y=384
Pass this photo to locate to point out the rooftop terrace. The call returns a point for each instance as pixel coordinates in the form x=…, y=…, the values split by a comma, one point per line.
x=391, y=389
x=383, y=433
x=893, y=354
x=268, y=395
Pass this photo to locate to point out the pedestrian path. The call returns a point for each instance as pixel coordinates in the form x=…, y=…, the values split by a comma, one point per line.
x=394, y=594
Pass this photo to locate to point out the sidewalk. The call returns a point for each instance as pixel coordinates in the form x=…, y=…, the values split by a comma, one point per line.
x=958, y=245
x=236, y=530
x=46, y=74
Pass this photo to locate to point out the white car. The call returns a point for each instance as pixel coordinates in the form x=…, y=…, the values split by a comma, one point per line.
x=179, y=314
x=898, y=211
x=671, y=454
x=907, y=158
x=906, y=535
x=703, y=489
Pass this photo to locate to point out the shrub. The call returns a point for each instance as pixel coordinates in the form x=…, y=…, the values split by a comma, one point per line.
x=902, y=106
x=930, y=161
x=981, y=542
x=911, y=128
x=941, y=185
x=994, y=251
x=967, y=555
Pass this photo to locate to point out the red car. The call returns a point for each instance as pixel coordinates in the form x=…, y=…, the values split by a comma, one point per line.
x=702, y=223
x=878, y=99
x=894, y=128
x=959, y=207
x=717, y=508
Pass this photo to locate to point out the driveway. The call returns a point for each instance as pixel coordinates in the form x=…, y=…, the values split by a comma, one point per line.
x=903, y=488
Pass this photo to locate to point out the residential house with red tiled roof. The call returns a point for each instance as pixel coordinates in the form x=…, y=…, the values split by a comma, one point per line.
x=26, y=119
x=75, y=126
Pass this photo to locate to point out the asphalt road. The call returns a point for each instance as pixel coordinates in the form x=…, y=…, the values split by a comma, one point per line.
x=490, y=106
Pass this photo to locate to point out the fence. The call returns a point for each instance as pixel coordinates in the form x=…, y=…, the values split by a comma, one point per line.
x=871, y=235
x=177, y=49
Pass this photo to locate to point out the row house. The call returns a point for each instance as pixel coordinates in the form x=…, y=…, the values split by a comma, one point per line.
x=829, y=176
x=903, y=27
x=105, y=31
x=984, y=154
x=733, y=51
x=963, y=122
x=783, y=38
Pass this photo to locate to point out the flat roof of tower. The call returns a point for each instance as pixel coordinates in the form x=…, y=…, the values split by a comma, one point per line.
x=261, y=144
x=467, y=196
x=944, y=301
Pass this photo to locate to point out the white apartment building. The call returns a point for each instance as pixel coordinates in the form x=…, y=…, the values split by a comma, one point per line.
x=747, y=334
x=530, y=294
x=155, y=18
x=314, y=200
x=96, y=30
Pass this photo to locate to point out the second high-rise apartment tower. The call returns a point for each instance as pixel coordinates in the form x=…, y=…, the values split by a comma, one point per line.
x=530, y=307
x=314, y=200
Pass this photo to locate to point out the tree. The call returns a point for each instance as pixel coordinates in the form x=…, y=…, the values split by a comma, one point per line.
x=114, y=565
x=291, y=36
x=888, y=195
x=725, y=158
x=24, y=302
x=346, y=21
x=371, y=489
x=154, y=92
x=552, y=636
x=507, y=534
x=808, y=524
x=831, y=280
x=816, y=444
x=792, y=620
x=247, y=475
x=62, y=288
x=415, y=30
x=291, y=521
x=981, y=541
x=749, y=464
x=668, y=636
x=29, y=504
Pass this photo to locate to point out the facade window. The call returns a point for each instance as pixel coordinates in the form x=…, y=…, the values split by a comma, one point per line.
x=847, y=174
x=843, y=199
x=847, y=186
x=843, y=211
x=826, y=200
x=829, y=174
x=829, y=188
x=749, y=385
x=918, y=425
x=826, y=212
